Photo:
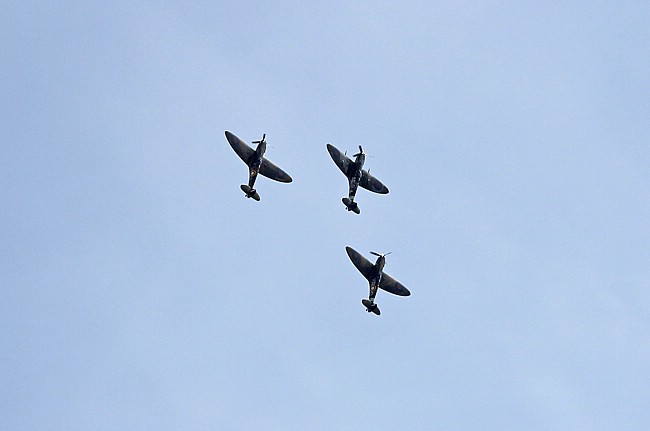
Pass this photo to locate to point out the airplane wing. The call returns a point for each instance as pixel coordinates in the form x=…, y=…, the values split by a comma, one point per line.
x=363, y=265
x=341, y=160
x=243, y=151
x=269, y=170
x=371, y=183
x=389, y=284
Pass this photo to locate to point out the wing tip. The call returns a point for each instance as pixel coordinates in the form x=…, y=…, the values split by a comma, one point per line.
x=231, y=137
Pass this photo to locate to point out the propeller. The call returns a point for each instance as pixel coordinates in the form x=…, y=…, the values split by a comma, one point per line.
x=360, y=152
x=380, y=255
x=262, y=140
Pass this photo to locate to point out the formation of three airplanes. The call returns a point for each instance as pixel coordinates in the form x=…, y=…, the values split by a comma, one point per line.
x=357, y=176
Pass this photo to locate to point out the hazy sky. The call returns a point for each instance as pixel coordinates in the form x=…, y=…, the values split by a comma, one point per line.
x=141, y=290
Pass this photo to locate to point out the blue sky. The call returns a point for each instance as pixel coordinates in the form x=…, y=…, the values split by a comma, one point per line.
x=141, y=290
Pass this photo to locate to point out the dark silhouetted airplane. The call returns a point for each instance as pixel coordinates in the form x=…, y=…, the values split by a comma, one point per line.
x=356, y=175
x=256, y=163
x=376, y=277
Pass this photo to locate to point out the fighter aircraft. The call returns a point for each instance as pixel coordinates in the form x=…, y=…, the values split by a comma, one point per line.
x=376, y=277
x=356, y=175
x=256, y=164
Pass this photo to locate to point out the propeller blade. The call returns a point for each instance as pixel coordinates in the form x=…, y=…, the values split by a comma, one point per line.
x=259, y=142
x=380, y=255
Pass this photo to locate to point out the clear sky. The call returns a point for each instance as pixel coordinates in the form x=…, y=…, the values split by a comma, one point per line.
x=141, y=290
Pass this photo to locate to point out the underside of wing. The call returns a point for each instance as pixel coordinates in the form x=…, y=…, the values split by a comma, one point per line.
x=363, y=265
x=243, y=151
x=371, y=183
x=269, y=170
x=341, y=160
x=389, y=284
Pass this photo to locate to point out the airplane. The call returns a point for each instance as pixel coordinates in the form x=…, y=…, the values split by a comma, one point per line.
x=356, y=175
x=256, y=164
x=376, y=277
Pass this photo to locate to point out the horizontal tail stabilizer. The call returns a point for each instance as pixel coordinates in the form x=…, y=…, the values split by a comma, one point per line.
x=371, y=307
x=351, y=205
x=250, y=193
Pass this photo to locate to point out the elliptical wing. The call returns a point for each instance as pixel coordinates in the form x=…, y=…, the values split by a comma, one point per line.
x=389, y=284
x=269, y=170
x=241, y=148
x=363, y=265
x=341, y=160
x=371, y=183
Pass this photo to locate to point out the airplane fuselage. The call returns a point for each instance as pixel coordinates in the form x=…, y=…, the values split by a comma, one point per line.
x=255, y=163
x=354, y=174
x=375, y=278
